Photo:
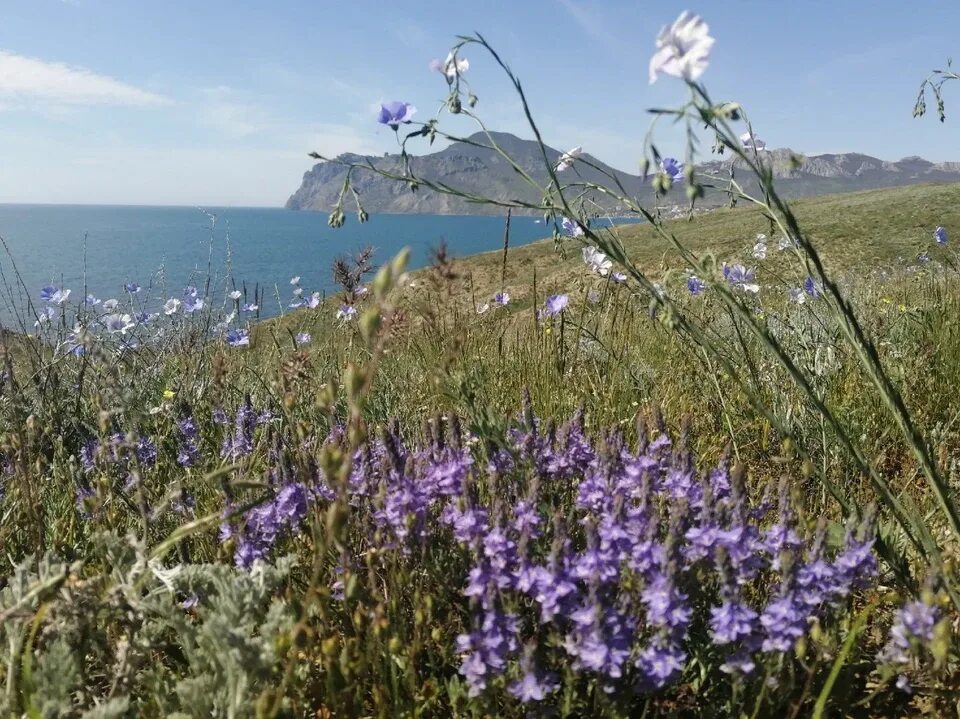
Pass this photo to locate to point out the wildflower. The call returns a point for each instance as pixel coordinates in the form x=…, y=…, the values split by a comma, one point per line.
x=556, y=304
x=250, y=307
x=567, y=158
x=451, y=67
x=731, y=621
x=346, y=313
x=570, y=228
x=695, y=285
x=502, y=298
x=295, y=280
x=923, y=258
x=168, y=393
x=672, y=168
x=394, y=114
x=683, y=49
x=238, y=338
x=235, y=295
x=132, y=287
x=618, y=277
x=810, y=287
x=44, y=317
x=533, y=686
x=796, y=295
x=121, y=323
x=940, y=235
x=110, y=305
x=785, y=243
x=313, y=301
x=483, y=308
x=760, y=248
x=913, y=628
x=597, y=261
x=298, y=291
x=91, y=300
x=192, y=303
x=303, y=338
x=752, y=142
x=361, y=291
x=54, y=295
x=741, y=278
x=171, y=306
x=903, y=684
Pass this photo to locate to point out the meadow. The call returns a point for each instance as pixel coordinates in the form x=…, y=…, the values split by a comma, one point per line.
x=704, y=466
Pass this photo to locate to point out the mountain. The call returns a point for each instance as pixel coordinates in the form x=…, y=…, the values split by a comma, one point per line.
x=484, y=172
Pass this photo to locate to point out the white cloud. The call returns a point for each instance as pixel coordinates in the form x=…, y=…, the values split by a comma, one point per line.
x=222, y=109
x=32, y=78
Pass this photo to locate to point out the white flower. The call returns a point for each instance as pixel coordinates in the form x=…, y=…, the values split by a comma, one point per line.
x=171, y=306
x=451, y=67
x=295, y=280
x=235, y=295
x=118, y=323
x=567, y=158
x=683, y=49
x=297, y=291
x=752, y=142
x=483, y=308
x=110, y=305
x=59, y=297
x=760, y=248
x=597, y=261
x=785, y=243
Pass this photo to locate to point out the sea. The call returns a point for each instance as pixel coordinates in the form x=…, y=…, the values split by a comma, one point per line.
x=99, y=249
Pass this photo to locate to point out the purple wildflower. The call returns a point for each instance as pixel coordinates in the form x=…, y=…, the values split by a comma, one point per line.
x=940, y=235
x=394, y=114
x=556, y=304
x=672, y=168
x=695, y=285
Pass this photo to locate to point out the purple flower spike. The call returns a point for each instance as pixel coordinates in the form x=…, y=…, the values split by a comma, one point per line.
x=394, y=114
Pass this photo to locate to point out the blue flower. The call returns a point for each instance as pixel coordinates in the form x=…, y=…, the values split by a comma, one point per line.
x=570, y=227
x=238, y=338
x=394, y=114
x=741, y=278
x=303, y=338
x=672, y=168
x=940, y=235
x=810, y=287
x=695, y=285
x=556, y=304
x=346, y=313
x=54, y=295
x=502, y=298
x=132, y=287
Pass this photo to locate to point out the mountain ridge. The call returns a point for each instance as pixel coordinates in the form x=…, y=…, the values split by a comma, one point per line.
x=483, y=172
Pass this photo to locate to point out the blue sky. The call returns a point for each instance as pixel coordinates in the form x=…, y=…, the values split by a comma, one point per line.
x=217, y=102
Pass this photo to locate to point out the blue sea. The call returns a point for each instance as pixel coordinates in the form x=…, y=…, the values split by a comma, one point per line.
x=98, y=249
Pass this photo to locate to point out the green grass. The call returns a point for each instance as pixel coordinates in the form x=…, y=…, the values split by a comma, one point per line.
x=438, y=356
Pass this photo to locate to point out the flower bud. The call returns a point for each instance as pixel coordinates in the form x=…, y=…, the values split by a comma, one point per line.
x=370, y=323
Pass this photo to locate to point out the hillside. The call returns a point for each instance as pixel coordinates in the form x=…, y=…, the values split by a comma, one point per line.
x=483, y=172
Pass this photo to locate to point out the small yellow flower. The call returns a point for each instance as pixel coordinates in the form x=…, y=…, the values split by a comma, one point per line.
x=887, y=300
x=549, y=330
x=168, y=394
x=903, y=308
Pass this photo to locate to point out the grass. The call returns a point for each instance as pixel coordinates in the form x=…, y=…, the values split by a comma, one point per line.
x=435, y=356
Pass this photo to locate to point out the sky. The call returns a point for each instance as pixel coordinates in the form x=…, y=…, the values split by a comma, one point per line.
x=218, y=102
